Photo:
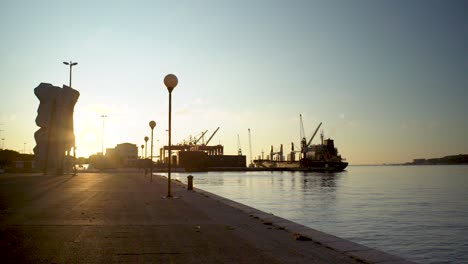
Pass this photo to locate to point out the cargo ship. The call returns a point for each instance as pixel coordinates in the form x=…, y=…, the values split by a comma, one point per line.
x=322, y=157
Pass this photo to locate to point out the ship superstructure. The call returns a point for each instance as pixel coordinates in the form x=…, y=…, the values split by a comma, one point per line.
x=319, y=157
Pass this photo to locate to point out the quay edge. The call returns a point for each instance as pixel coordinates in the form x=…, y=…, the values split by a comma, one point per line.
x=358, y=252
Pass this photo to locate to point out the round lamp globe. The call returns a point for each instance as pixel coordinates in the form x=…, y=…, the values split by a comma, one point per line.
x=170, y=81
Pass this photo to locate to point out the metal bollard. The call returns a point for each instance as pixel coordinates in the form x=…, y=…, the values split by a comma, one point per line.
x=190, y=182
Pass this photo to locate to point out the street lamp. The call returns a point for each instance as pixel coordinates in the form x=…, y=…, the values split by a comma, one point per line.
x=142, y=147
x=171, y=82
x=102, y=145
x=146, y=147
x=71, y=64
x=152, y=124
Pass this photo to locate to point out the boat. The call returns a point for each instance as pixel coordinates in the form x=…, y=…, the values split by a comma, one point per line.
x=323, y=157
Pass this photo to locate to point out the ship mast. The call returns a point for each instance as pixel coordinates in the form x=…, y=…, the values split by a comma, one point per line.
x=303, y=139
x=239, y=150
x=250, y=149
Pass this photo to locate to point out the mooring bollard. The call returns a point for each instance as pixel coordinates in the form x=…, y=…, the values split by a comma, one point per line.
x=190, y=182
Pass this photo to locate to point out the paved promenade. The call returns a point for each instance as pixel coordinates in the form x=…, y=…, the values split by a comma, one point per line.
x=123, y=217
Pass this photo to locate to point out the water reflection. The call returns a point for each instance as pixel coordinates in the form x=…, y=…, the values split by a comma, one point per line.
x=293, y=195
x=399, y=209
x=326, y=182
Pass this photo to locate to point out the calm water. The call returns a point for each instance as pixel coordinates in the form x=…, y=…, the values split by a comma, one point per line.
x=416, y=212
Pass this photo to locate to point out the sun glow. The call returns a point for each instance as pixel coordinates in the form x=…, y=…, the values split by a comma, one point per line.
x=90, y=137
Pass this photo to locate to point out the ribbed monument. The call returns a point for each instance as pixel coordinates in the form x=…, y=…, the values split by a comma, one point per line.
x=55, y=137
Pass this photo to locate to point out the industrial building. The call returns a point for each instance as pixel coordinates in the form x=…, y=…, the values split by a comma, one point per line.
x=123, y=155
x=193, y=156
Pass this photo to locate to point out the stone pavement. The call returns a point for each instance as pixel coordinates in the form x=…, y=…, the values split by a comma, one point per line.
x=124, y=217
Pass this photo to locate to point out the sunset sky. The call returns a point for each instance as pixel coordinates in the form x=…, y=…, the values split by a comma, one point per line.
x=388, y=79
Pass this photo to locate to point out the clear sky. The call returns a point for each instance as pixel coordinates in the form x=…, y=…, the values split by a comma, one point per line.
x=388, y=79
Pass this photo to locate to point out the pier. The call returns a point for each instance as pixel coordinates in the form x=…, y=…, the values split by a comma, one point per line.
x=122, y=216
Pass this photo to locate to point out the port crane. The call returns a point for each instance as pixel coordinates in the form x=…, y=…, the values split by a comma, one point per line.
x=212, y=135
x=193, y=140
x=239, y=150
x=302, y=132
x=310, y=140
x=202, y=135
x=250, y=149
x=304, y=143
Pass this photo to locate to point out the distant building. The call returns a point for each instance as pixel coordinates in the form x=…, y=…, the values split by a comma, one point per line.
x=125, y=154
x=24, y=164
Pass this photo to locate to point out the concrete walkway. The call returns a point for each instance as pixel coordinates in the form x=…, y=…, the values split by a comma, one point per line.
x=123, y=217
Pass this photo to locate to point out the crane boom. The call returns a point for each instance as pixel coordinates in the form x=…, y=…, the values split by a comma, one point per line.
x=196, y=141
x=250, y=148
x=239, y=150
x=212, y=135
x=301, y=130
x=310, y=140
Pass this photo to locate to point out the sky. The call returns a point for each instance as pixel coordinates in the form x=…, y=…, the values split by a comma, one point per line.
x=388, y=79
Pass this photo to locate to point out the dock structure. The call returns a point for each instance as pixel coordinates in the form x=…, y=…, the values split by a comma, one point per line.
x=123, y=217
x=210, y=150
x=192, y=157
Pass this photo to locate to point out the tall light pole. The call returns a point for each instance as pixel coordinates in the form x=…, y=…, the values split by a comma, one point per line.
x=146, y=147
x=152, y=124
x=102, y=145
x=142, y=147
x=71, y=64
x=171, y=82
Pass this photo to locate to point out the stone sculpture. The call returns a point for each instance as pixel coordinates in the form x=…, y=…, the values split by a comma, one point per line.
x=55, y=136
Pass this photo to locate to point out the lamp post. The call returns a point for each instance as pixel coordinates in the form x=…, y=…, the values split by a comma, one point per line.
x=146, y=147
x=152, y=124
x=102, y=137
x=171, y=82
x=71, y=64
x=142, y=147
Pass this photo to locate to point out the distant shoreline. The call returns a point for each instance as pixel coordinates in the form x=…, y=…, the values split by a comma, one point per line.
x=400, y=164
x=460, y=159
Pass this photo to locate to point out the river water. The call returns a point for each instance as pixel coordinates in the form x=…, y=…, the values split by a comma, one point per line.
x=416, y=212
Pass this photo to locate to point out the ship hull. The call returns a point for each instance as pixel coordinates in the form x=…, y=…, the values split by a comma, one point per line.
x=303, y=165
